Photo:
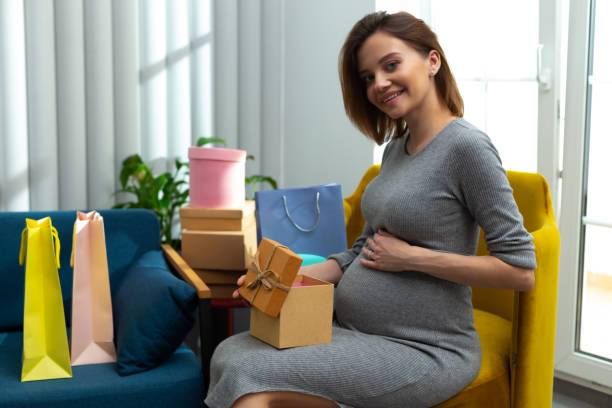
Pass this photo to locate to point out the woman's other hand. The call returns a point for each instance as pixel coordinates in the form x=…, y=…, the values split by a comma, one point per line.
x=239, y=282
x=387, y=253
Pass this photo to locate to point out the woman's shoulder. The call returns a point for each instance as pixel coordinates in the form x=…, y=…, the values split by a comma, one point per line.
x=467, y=138
x=465, y=132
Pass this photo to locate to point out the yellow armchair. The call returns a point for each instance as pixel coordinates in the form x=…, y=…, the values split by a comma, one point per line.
x=516, y=329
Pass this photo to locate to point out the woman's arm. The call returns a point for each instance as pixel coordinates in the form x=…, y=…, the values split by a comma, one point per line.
x=391, y=254
x=328, y=271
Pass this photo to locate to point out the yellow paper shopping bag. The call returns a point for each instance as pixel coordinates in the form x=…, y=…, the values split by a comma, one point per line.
x=92, y=311
x=45, y=342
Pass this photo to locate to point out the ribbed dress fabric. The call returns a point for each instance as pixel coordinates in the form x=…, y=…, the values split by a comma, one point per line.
x=400, y=339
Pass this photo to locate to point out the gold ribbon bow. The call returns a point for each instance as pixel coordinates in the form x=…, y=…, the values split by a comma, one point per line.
x=266, y=277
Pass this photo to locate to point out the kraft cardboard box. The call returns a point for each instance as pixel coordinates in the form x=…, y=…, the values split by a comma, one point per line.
x=267, y=288
x=218, y=219
x=221, y=250
x=222, y=291
x=213, y=277
x=304, y=319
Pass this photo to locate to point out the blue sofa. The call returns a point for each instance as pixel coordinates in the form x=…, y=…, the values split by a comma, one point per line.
x=130, y=233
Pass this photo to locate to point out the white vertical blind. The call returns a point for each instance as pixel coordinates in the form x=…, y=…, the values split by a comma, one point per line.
x=126, y=82
x=14, y=181
x=273, y=76
x=179, y=100
x=153, y=79
x=86, y=83
x=249, y=101
x=200, y=27
x=71, y=123
x=226, y=70
x=99, y=97
x=42, y=114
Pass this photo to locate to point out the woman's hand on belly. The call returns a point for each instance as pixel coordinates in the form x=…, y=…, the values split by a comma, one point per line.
x=387, y=253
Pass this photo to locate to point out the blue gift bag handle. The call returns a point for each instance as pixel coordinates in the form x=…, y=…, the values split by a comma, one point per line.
x=295, y=224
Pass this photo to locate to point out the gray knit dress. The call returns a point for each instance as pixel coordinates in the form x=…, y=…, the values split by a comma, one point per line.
x=400, y=339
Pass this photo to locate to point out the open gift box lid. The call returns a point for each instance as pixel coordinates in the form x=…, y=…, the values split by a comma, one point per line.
x=269, y=278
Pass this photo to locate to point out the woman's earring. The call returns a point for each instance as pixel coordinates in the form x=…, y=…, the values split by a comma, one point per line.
x=432, y=73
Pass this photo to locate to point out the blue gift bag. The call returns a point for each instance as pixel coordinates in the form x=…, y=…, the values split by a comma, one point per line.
x=305, y=219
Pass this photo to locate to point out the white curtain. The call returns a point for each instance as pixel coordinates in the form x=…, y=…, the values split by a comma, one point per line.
x=86, y=83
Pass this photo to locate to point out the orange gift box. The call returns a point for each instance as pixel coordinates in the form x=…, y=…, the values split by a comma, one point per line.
x=270, y=276
x=288, y=310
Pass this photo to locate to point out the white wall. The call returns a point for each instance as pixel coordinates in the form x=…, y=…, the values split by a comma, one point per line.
x=283, y=104
x=321, y=145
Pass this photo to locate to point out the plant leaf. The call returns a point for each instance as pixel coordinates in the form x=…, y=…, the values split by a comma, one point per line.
x=258, y=178
x=129, y=166
x=206, y=140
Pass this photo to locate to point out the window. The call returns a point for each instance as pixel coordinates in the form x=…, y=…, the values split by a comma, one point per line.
x=496, y=68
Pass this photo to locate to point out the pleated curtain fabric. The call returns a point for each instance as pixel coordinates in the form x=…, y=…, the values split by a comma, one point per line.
x=84, y=84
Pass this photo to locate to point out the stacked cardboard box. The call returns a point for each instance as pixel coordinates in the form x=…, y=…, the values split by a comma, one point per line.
x=219, y=244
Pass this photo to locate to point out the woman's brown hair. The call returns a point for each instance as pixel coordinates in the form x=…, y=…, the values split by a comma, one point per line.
x=367, y=117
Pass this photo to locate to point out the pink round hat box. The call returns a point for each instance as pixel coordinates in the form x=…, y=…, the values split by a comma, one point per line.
x=216, y=177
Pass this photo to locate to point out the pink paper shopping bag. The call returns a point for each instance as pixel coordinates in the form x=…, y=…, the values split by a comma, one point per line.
x=92, y=314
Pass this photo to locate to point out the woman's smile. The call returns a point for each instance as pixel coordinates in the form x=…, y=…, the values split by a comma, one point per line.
x=390, y=98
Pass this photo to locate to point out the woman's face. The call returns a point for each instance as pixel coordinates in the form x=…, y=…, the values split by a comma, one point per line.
x=397, y=77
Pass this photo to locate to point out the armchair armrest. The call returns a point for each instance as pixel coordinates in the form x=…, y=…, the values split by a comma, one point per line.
x=535, y=325
x=204, y=295
x=186, y=272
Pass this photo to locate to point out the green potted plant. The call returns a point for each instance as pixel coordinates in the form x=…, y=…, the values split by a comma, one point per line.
x=165, y=193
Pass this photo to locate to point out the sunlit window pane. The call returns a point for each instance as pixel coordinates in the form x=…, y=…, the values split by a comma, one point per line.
x=512, y=123
x=475, y=100
x=393, y=6
x=599, y=193
x=596, y=296
x=595, y=337
x=602, y=58
x=460, y=26
x=491, y=48
x=488, y=38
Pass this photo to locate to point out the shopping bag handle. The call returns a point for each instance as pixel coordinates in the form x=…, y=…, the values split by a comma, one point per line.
x=73, y=242
x=24, y=237
x=295, y=224
x=56, y=243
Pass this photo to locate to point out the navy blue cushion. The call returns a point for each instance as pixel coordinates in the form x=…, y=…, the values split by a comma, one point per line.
x=177, y=383
x=153, y=311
